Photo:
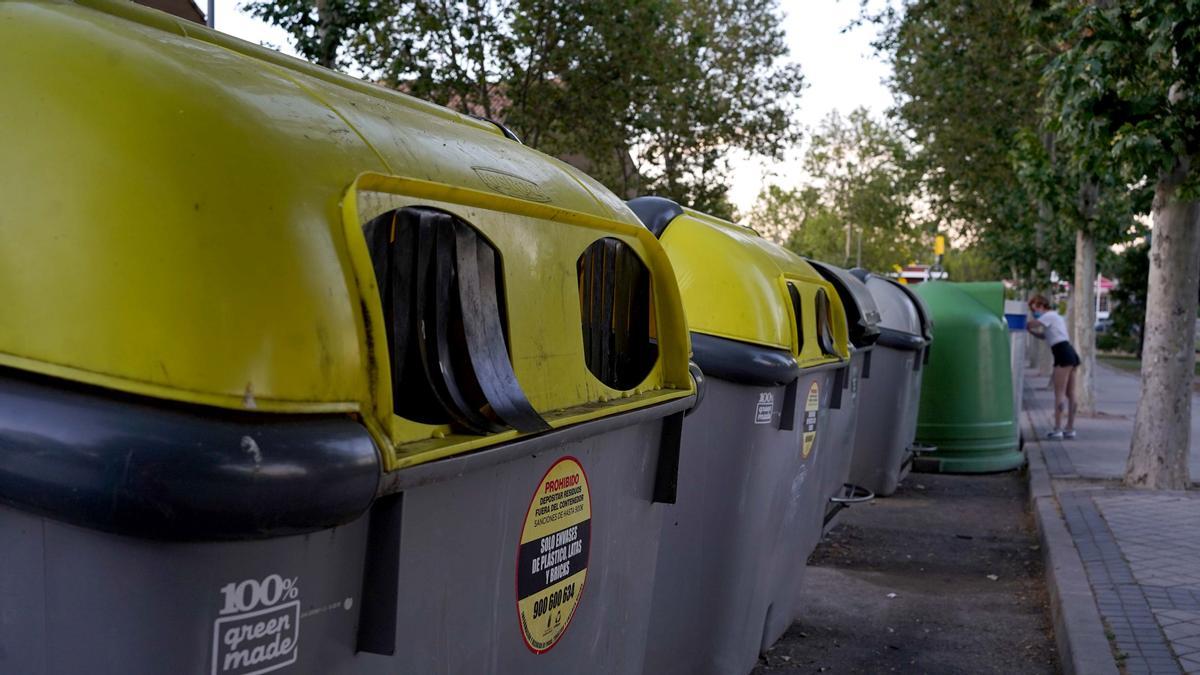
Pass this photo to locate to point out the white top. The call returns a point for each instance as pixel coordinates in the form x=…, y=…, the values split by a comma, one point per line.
x=1056, y=327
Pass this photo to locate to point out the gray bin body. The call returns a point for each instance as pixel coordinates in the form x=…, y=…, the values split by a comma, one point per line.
x=832, y=457
x=863, y=319
x=748, y=514
x=887, y=421
x=843, y=425
x=81, y=601
x=78, y=600
x=890, y=403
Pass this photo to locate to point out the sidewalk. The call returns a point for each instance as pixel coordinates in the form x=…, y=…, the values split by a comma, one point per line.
x=1126, y=567
x=1103, y=443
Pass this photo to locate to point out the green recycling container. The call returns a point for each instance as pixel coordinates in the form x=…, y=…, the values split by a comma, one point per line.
x=966, y=409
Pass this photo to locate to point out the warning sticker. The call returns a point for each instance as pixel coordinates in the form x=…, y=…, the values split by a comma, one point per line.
x=811, y=405
x=553, y=557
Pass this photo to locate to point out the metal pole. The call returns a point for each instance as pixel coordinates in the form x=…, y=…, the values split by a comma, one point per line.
x=211, y=18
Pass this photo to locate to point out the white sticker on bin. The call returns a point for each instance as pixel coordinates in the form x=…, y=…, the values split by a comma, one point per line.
x=764, y=410
x=259, y=627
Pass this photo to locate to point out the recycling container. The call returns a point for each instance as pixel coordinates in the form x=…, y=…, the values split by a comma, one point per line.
x=862, y=317
x=966, y=406
x=301, y=375
x=1016, y=318
x=887, y=409
x=768, y=333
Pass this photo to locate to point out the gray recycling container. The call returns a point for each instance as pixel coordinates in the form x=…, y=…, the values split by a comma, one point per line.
x=303, y=375
x=749, y=506
x=887, y=417
x=220, y=562
x=862, y=318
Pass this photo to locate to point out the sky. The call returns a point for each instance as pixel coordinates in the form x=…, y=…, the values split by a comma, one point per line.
x=842, y=73
x=841, y=70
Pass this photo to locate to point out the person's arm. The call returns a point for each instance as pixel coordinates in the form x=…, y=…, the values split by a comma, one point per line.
x=1036, y=329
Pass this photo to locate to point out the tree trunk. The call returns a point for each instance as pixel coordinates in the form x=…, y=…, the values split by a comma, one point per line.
x=1083, y=333
x=1159, y=452
x=1039, y=353
x=849, y=240
x=326, y=37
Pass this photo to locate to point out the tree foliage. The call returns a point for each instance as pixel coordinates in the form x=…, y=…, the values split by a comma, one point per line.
x=1123, y=91
x=650, y=96
x=1124, y=86
x=855, y=192
x=965, y=93
x=1129, y=297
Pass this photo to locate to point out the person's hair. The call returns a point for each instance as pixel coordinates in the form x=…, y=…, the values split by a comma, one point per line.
x=1039, y=301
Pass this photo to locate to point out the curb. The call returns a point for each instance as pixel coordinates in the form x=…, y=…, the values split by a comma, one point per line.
x=1079, y=634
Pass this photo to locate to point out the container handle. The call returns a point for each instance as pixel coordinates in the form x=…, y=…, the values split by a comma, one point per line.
x=852, y=494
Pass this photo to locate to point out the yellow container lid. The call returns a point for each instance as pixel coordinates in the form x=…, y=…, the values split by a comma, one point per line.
x=738, y=286
x=184, y=219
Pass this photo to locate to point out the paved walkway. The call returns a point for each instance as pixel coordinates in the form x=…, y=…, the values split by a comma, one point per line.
x=1103, y=443
x=1140, y=550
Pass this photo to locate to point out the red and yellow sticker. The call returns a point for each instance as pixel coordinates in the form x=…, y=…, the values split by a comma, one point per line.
x=552, y=559
x=811, y=405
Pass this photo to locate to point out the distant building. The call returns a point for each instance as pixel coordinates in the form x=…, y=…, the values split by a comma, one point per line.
x=915, y=274
x=1104, y=287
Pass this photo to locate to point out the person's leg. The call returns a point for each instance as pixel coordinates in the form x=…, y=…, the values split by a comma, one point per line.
x=1070, y=392
x=1060, y=378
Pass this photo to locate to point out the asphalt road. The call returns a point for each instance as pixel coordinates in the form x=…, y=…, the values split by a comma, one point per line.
x=936, y=545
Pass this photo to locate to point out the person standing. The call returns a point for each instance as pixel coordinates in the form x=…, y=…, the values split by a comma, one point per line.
x=1049, y=325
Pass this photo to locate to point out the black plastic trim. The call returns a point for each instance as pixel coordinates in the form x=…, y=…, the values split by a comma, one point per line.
x=666, y=474
x=742, y=362
x=787, y=415
x=922, y=312
x=895, y=339
x=840, y=382
x=146, y=468
x=380, y=599
x=508, y=133
x=862, y=314
x=701, y=386
x=656, y=213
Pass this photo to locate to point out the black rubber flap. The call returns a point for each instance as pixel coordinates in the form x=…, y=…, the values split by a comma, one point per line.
x=145, y=468
x=896, y=339
x=441, y=291
x=862, y=314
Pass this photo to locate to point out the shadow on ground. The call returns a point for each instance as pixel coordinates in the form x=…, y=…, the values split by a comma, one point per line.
x=934, y=545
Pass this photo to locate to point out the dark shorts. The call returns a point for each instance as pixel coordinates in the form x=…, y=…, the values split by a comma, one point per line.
x=1064, y=355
